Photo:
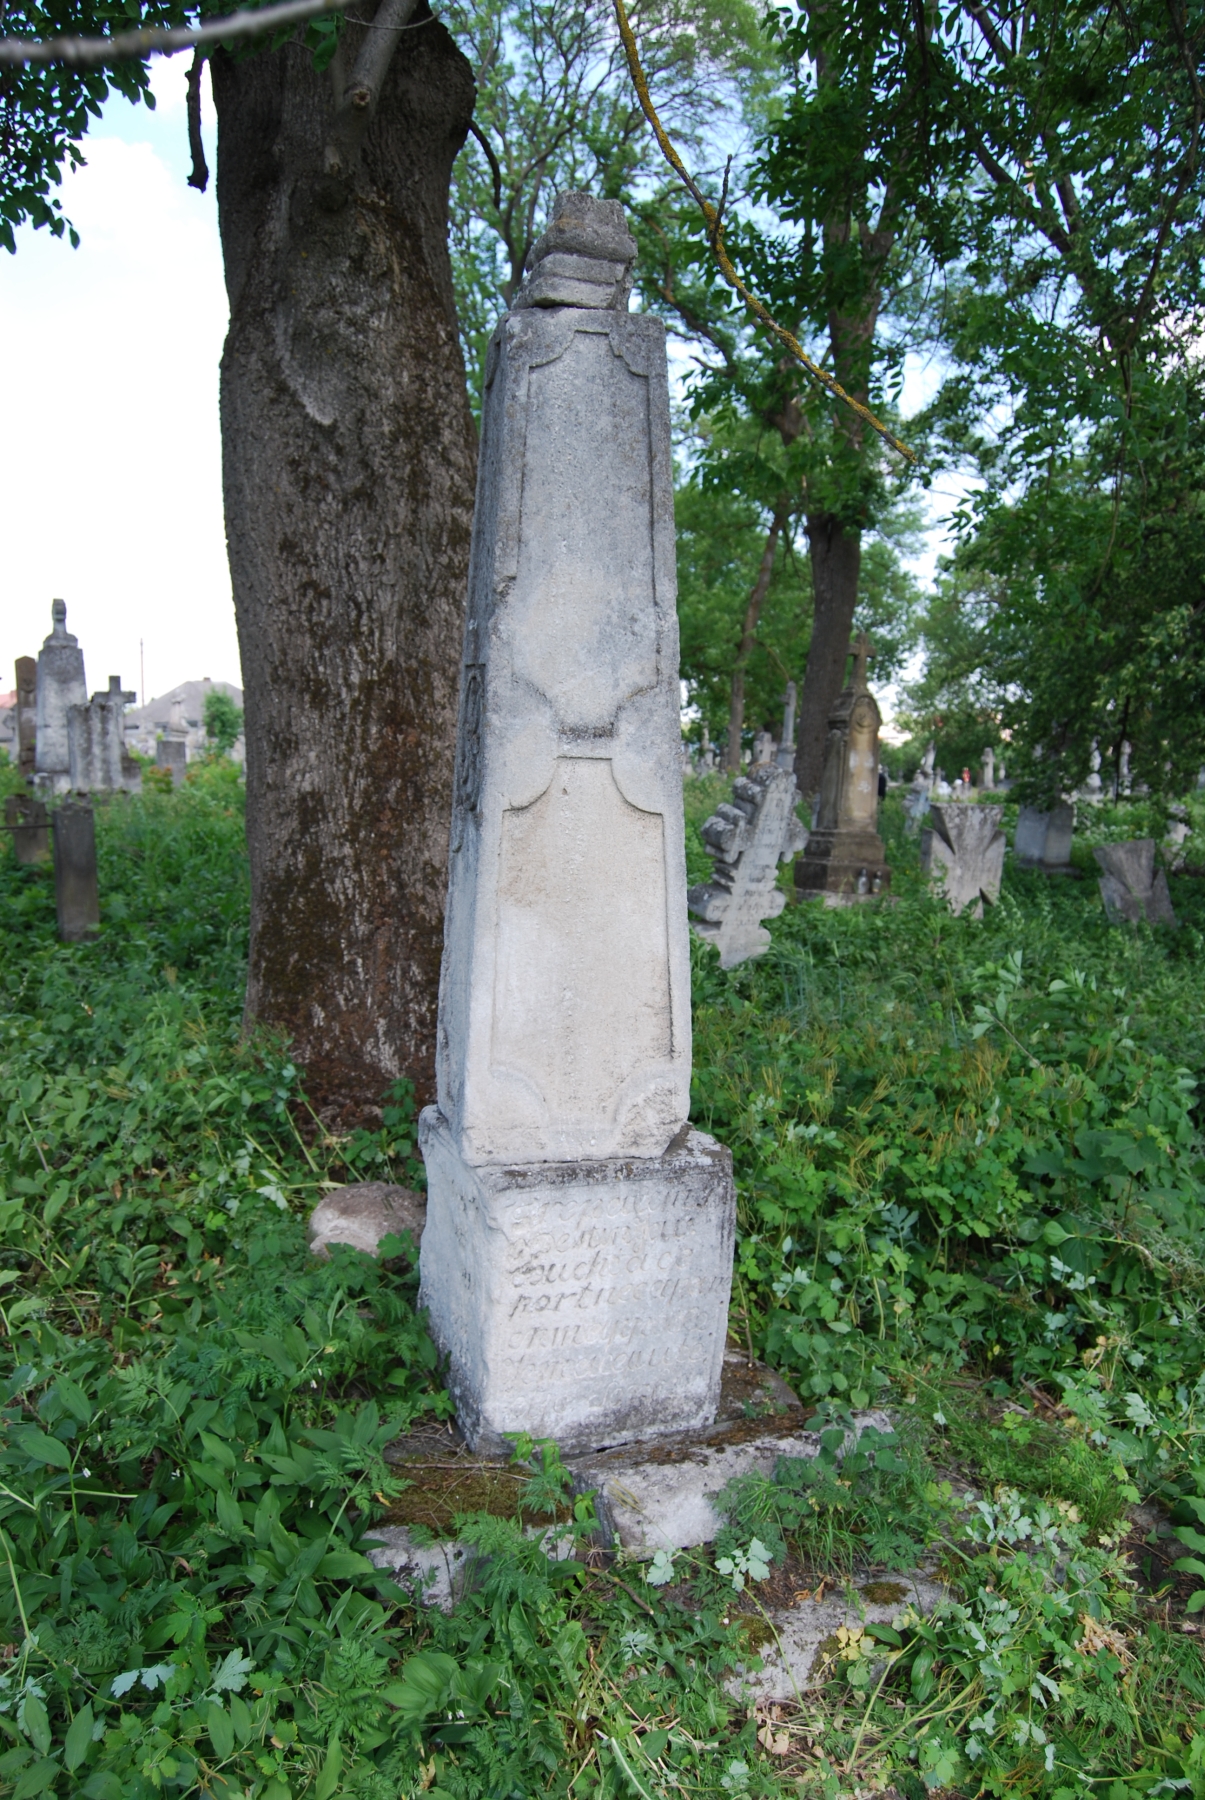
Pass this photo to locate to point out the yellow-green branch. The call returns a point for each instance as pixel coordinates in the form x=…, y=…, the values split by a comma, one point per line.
x=715, y=226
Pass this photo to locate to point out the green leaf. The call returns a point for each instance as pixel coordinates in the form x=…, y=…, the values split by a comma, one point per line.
x=654, y=1743
x=102, y=1786
x=220, y=1727
x=36, y=1780
x=338, y=1565
x=37, y=1724
x=240, y=1718
x=327, y=1783
x=230, y=1517
x=79, y=1736
x=40, y=1447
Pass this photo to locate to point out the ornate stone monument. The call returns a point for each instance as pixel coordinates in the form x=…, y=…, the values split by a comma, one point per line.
x=60, y=686
x=577, y=1256
x=1130, y=885
x=845, y=860
x=27, y=716
x=99, y=760
x=963, y=854
x=748, y=840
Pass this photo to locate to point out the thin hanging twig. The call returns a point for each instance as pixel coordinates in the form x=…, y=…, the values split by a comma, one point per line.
x=715, y=228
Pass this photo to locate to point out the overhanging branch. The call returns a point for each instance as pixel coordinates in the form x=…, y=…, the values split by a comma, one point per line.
x=90, y=52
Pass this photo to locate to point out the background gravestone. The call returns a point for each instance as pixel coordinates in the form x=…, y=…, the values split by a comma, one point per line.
x=844, y=860
x=1130, y=886
x=60, y=686
x=27, y=716
x=98, y=759
x=963, y=854
x=76, y=897
x=1043, y=839
x=748, y=840
x=577, y=1256
x=28, y=823
x=786, y=747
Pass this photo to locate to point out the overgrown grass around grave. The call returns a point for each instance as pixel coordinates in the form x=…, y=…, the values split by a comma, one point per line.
x=995, y=1231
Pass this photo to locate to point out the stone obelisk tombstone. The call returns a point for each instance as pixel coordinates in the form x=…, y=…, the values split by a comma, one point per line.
x=75, y=888
x=577, y=1256
x=60, y=686
x=844, y=860
x=27, y=715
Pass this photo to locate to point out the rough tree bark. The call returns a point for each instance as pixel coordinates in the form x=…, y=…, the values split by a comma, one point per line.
x=348, y=461
x=835, y=553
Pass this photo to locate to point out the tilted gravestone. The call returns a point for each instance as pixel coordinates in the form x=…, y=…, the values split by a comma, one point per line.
x=1130, y=885
x=99, y=760
x=29, y=822
x=1043, y=839
x=577, y=1256
x=76, y=897
x=60, y=686
x=27, y=715
x=748, y=840
x=844, y=859
x=963, y=854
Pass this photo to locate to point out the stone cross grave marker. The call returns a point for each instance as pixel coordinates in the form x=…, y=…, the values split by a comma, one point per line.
x=844, y=860
x=764, y=749
x=577, y=1257
x=27, y=715
x=99, y=760
x=60, y=686
x=748, y=840
x=1130, y=886
x=963, y=853
x=987, y=774
x=76, y=897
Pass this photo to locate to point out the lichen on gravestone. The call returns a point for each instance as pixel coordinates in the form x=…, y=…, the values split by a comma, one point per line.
x=748, y=839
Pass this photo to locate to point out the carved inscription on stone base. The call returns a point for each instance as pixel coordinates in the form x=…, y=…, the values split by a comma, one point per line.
x=581, y=1301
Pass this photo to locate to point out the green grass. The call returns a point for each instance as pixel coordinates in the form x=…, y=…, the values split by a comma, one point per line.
x=970, y=1176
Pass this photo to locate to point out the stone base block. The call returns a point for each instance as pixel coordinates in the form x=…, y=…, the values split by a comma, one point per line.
x=581, y=1301
x=848, y=863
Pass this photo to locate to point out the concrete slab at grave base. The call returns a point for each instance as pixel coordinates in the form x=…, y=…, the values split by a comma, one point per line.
x=582, y=1301
x=363, y=1213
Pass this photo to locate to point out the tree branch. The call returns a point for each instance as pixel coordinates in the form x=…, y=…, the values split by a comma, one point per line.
x=199, y=178
x=492, y=160
x=87, y=52
x=362, y=94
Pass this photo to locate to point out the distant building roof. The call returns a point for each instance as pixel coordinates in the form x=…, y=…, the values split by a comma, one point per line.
x=191, y=695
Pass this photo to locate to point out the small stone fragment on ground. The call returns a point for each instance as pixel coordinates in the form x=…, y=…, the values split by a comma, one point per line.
x=363, y=1213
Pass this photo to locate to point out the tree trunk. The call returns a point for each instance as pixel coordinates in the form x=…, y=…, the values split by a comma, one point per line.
x=835, y=552
x=348, y=465
x=758, y=592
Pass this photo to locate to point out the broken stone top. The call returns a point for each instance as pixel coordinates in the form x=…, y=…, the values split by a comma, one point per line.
x=60, y=634
x=583, y=259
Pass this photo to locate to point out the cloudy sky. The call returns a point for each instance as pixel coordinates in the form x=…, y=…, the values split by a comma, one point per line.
x=109, y=461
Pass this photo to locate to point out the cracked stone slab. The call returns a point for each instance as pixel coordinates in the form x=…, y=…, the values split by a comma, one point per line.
x=807, y=1631
x=662, y=1498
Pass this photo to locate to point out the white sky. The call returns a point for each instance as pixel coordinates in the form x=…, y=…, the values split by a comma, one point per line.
x=110, y=462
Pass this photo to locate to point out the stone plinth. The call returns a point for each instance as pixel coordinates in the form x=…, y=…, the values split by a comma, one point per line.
x=60, y=686
x=1043, y=839
x=585, y=1301
x=76, y=897
x=845, y=860
x=963, y=854
x=1131, y=887
x=563, y=1058
x=748, y=840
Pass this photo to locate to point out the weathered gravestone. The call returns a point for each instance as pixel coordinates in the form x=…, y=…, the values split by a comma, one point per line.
x=577, y=1256
x=987, y=773
x=748, y=840
x=963, y=854
x=786, y=747
x=1043, y=839
x=1093, y=789
x=171, y=750
x=27, y=715
x=60, y=686
x=76, y=896
x=844, y=860
x=917, y=799
x=99, y=760
x=1130, y=885
x=28, y=821
x=764, y=749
